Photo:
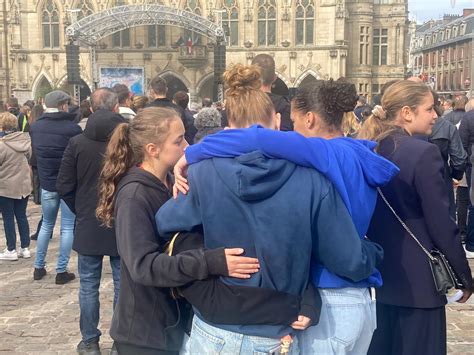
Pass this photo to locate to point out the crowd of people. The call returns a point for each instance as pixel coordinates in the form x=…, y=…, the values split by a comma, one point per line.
x=260, y=225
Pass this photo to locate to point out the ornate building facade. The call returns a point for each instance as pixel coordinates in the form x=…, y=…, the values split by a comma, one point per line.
x=441, y=52
x=362, y=40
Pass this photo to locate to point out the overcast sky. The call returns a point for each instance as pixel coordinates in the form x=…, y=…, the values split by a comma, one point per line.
x=425, y=10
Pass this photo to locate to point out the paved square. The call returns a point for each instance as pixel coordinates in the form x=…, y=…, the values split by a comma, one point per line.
x=40, y=317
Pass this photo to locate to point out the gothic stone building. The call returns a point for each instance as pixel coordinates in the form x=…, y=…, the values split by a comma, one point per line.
x=362, y=40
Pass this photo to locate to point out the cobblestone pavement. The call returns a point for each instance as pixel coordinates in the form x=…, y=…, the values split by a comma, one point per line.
x=40, y=317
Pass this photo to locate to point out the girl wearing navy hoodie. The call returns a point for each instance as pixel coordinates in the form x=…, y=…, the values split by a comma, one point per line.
x=348, y=317
x=134, y=183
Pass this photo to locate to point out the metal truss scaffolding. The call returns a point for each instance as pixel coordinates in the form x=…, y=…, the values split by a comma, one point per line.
x=91, y=29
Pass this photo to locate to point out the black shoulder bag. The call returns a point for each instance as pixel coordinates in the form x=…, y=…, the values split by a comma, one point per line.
x=443, y=274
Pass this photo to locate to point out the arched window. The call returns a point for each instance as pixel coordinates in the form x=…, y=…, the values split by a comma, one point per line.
x=193, y=6
x=304, y=22
x=230, y=21
x=266, y=22
x=86, y=9
x=50, y=24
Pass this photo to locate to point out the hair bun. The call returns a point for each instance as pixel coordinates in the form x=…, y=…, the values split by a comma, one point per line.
x=242, y=78
x=338, y=96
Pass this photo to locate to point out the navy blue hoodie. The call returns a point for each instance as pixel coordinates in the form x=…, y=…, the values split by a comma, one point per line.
x=351, y=165
x=258, y=204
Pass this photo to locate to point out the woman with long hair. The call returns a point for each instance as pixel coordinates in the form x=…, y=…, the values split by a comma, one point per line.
x=410, y=311
x=263, y=207
x=134, y=183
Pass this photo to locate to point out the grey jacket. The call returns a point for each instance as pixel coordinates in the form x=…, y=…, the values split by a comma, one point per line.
x=15, y=171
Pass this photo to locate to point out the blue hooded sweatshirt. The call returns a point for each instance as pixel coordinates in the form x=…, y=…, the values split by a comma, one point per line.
x=351, y=165
x=257, y=204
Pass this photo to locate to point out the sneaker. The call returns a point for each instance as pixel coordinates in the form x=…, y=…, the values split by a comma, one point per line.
x=24, y=253
x=89, y=349
x=9, y=255
x=39, y=274
x=469, y=254
x=64, y=277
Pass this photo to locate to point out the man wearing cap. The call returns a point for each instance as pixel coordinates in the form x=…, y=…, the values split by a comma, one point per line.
x=50, y=135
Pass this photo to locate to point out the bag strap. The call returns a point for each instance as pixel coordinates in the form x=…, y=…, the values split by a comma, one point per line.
x=428, y=254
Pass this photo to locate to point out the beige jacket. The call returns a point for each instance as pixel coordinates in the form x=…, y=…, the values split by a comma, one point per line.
x=15, y=172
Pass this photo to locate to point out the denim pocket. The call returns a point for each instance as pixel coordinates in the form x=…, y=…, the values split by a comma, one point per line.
x=346, y=323
x=201, y=342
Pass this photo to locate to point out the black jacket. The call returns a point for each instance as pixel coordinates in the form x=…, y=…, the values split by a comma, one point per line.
x=50, y=135
x=446, y=137
x=145, y=314
x=77, y=183
x=455, y=116
x=466, y=131
x=419, y=195
x=282, y=106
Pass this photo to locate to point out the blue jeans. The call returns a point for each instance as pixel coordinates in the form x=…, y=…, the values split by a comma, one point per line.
x=50, y=204
x=15, y=208
x=90, y=272
x=206, y=339
x=348, y=321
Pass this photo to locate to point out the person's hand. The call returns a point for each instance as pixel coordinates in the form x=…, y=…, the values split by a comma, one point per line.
x=180, y=173
x=240, y=267
x=302, y=323
x=455, y=183
x=465, y=295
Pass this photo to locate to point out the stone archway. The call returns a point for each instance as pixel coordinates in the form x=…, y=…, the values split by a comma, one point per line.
x=42, y=88
x=175, y=84
x=308, y=81
x=280, y=88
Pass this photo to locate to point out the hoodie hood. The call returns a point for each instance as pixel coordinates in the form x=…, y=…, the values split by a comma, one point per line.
x=143, y=177
x=18, y=141
x=377, y=170
x=101, y=124
x=252, y=177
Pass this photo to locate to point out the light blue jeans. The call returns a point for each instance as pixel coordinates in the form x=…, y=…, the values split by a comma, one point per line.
x=348, y=321
x=209, y=340
x=50, y=204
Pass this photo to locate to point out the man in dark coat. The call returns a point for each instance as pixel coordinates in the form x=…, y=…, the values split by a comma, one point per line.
x=50, y=135
x=281, y=103
x=78, y=187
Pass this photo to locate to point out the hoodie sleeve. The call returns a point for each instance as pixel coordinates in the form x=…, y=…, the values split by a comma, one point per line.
x=336, y=243
x=182, y=214
x=66, y=182
x=292, y=146
x=140, y=252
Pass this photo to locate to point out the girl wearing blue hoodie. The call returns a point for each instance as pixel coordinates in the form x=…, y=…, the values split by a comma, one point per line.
x=348, y=317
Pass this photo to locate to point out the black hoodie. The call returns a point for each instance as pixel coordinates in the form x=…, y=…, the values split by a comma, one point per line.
x=77, y=183
x=146, y=315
